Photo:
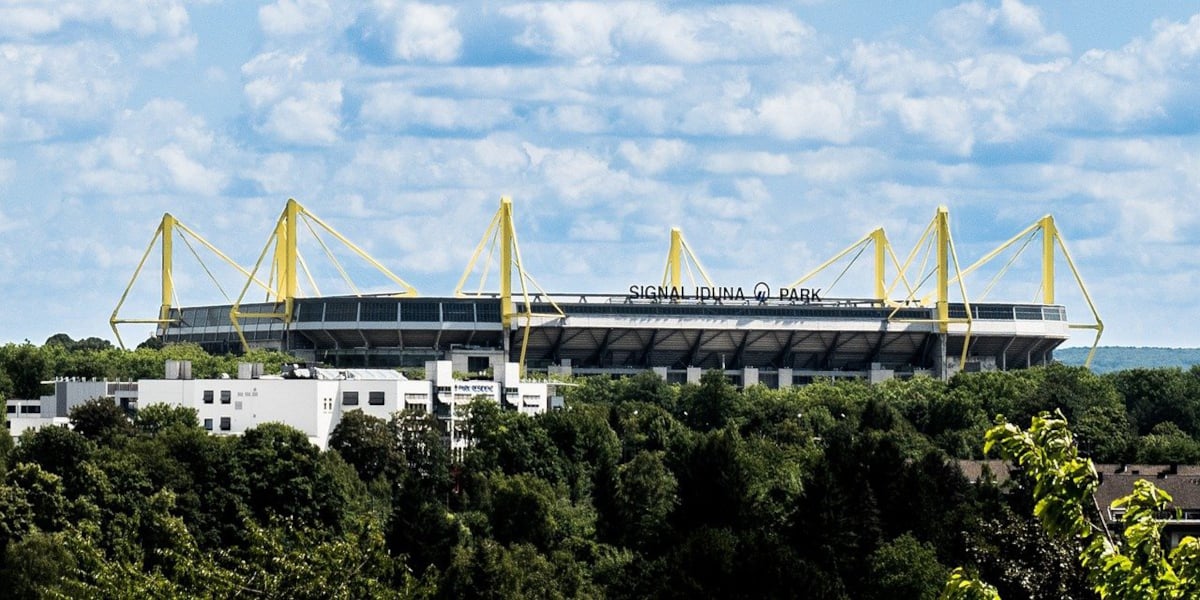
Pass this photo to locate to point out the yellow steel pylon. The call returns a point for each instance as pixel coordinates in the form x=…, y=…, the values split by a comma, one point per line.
x=287, y=263
x=501, y=234
x=168, y=229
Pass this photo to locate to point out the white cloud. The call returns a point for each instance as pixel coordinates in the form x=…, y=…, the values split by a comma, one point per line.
x=418, y=32
x=290, y=107
x=1013, y=25
x=573, y=118
x=762, y=163
x=656, y=156
x=156, y=149
x=294, y=17
x=589, y=31
x=825, y=111
x=945, y=121
x=310, y=116
x=45, y=89
x=594, y=230
x=392, y=105
x=164, y=22
x=188, y=175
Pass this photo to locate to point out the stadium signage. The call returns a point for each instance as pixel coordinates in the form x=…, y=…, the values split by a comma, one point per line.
x=760, y=292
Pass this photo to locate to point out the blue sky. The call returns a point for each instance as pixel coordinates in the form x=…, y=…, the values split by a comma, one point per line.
x=774, y=134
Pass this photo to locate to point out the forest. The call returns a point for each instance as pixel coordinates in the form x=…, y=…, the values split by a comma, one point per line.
x=637, y=489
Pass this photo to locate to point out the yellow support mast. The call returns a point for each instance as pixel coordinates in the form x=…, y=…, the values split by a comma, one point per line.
x=1051, y=239
x=502, y=233
x=168, y=229
x=286, y=264
x=1049, y=234
x=938, y=239
x=942, y=219
x=507, y=237
x=168, y=281
x=679, y=258
x=882, y=251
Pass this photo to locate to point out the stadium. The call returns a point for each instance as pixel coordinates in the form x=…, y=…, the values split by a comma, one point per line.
x=776, y=335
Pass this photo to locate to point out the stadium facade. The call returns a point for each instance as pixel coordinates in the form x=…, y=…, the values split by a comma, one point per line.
x=761, y=333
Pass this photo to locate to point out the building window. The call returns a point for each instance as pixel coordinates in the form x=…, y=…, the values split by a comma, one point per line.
x=208, y=424
x=511, y=391
x=415, y=407
x=443, y=389
x=349, y=398
x=208, y=396
x=226, y=396
x=11, y=409
x=225, y=424
x=375, y=398
x=31, y=409
x=478, y=364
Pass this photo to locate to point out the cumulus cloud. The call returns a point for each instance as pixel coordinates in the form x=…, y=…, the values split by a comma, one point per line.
x=417, y=32
x=289, y=107
x=165, y=22
x=311, y=115
x=393, y=106
x=826, y=112
x=591, y=31
x=47, y=90
x=294, y=17
x=762, y=163
x=1012, y=25
x=159, y=148
x=655, y=156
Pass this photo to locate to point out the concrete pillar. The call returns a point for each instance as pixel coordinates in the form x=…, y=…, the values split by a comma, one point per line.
x=785, y=378
x=661, y=372
x=939, y=358
x=749, y=376
x=693, y=374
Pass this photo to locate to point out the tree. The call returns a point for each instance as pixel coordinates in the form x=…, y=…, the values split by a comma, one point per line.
x=906, y=568
x=711, y=405
x=646, y=495
x=100, y=420
x=26, y=367
x=1130, y=565
x=157, y=418
x=366, y=442
x=282, y=473
x=57, y=450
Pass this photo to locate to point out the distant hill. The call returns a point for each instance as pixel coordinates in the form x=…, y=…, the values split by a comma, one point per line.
x=1117, y=358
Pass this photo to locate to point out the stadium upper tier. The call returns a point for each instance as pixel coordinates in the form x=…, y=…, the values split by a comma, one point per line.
x=612, y=333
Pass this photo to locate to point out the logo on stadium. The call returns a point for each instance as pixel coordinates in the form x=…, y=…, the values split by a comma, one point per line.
x=762, y=291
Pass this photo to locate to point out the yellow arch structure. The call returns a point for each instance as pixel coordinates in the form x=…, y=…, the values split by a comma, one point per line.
x=502, y=235
x=1051, y=242
x=937, y=243
x=168, y=229
x=878, y=240
x=287, y=264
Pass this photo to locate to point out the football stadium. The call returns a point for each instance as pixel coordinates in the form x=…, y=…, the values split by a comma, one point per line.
x=919, y=320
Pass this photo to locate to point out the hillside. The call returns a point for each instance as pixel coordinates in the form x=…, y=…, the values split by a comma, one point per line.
x=1116, y=358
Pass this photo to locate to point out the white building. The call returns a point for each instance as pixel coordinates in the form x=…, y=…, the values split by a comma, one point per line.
x=23, y=414
x=313, y=400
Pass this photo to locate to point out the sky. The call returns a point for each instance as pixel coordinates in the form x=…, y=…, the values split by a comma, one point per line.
x=774, y=134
